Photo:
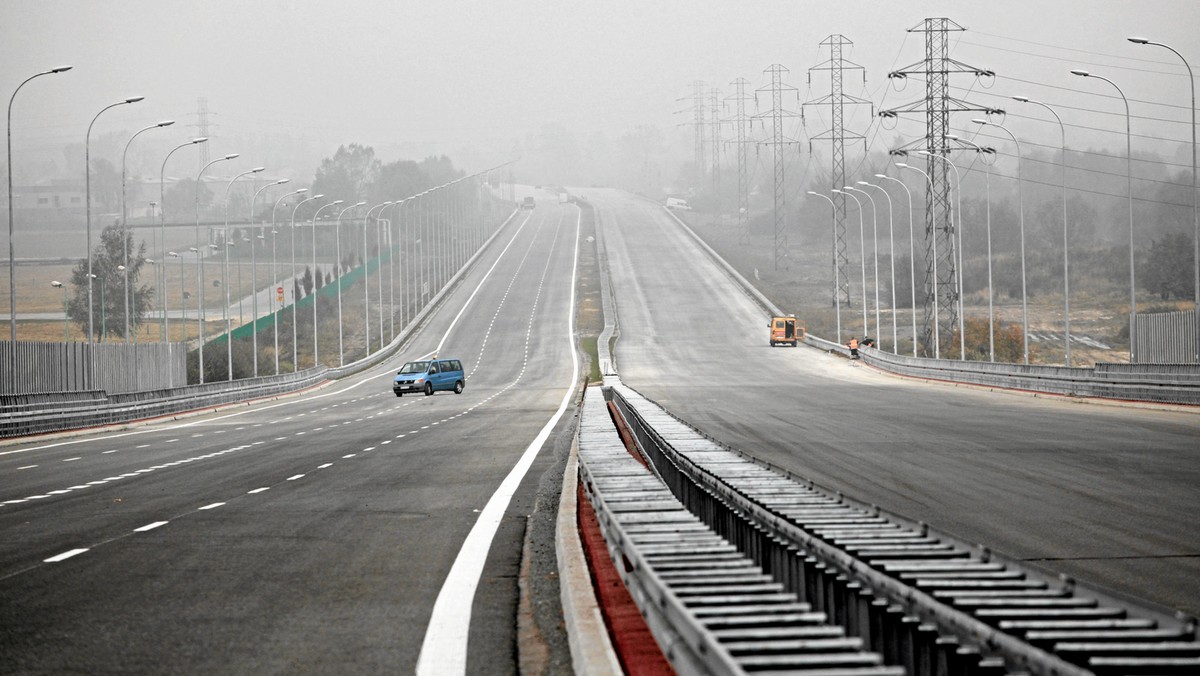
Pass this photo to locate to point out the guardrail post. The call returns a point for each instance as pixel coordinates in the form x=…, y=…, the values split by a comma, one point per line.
x=878, y=632
x=891, y=634
x=946, y=651
x=908, y=642
x=924, y=652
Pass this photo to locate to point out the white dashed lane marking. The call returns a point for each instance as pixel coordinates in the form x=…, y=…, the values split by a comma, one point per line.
x=149, y=526
x=212, y=506
x=71, y=459
x=65, y=555
x=258, y=490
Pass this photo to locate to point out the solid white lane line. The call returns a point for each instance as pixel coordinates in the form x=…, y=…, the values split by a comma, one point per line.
x=444, y=649
x=65, y=555
x=212, y=506
x=149, y=526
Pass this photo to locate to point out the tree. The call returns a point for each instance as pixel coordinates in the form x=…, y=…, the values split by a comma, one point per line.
x=349, y=175
x=307, y=280
x=106, y=184
x=1169, y=271
x=108, y=304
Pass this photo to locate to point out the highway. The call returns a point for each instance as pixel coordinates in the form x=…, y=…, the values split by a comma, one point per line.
x=313, y=533
x=1105, y=493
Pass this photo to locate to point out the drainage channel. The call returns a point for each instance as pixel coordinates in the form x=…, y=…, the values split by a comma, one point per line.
x=712, y=609
x=923, y=601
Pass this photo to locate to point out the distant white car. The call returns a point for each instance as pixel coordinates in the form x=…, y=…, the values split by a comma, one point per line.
x=678, y=203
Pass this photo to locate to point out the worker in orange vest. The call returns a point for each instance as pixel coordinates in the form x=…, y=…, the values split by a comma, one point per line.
x=853, y=348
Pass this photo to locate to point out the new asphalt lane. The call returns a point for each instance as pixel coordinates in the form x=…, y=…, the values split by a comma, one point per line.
x=1101, y=492
x=309, y=534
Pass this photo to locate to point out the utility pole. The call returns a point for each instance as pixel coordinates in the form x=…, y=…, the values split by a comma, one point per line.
x=714, y=122
x=698, y=127
x=742, y=120
x=203, y=127
x=777, y=142
x=941, y=271
x=837, y=135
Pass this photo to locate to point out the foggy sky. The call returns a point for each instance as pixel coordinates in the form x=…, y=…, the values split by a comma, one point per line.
x=443, y=76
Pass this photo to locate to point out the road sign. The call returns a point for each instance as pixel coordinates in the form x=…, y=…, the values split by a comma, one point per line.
x=279, y=290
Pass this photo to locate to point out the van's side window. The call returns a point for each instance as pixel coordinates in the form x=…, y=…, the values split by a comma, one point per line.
x=433, y=368
x=456, y=365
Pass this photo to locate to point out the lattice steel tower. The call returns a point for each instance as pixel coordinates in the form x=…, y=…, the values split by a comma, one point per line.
x=837, y=135
x=698, y=127
x=941, y=270
x=714, y=123
x=203, y=127
x=777, y=143
x=742, y=120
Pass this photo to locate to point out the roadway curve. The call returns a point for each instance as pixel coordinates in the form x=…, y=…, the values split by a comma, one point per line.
x=310, y=534
x=1102, y=492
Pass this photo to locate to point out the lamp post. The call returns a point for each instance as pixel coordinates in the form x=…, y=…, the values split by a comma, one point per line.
x=937, y=340
x=366, y=287
x=956, y=223
x=862, y=240
x=337, y=236
x=1066, y=245
x=12, y=279
x=254, y=269
x=183, y=294
x=988, y=201
x=275, y=271
x=87, y=181
x=1129, y=189
x=837, y=298
x=225, y=277
x=316, y=272
x=912, y=262
x=200, y=253
x=162, y=225
x=1021, y=220
x=391, y=272
x=66, y=317
x=295, y=313
x=1195, y=208
x=103, y=324
x=125, y=216
x=875, y=237
x=102, y=327
x=891, y=257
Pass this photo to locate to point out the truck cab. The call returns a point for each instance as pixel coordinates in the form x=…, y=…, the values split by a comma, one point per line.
x=785, y=331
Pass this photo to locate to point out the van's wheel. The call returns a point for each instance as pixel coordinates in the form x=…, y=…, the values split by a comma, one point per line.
x=458, y=387
x=428, y=389
x=399, y=394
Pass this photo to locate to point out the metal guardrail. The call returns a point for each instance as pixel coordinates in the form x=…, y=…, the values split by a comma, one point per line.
x=26, y=414
x=899, y=584
x=714, y=610
x=1159, y=383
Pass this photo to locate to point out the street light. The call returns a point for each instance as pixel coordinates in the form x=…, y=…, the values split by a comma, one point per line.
x=1129, y=189
x=391, y=272
x=937, y=340
x=295, y=300
x=12, y=279
x=66, y=317
x=956, y=223
x=1066, y=258
x=1021, y=219
x=837, y=298
x=275, y=271
x=316, y=287
x=367, y=287
x=200, y=313
x=225, y=277
x=875, y=237
x=87, y=180
x=891, y=257
x=912, y=261
x=988, y=202
x=125, y=216
x=254, y=269
x=1195, y=209
x=162, y=225
x=337, y=237
x=862, y=240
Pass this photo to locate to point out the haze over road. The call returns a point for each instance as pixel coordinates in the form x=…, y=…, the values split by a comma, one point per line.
x=1105, y=493
x=310, y=534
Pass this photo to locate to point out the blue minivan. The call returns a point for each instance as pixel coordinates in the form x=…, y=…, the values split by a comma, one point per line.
x=429, y=376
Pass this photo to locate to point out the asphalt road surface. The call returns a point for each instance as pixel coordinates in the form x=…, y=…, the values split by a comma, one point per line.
x=311, y=534
x=1101, y=492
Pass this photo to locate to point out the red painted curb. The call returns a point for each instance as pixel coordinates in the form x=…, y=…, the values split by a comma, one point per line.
x=635, y=646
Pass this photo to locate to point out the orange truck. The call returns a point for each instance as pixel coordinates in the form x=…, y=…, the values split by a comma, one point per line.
x=785, y=331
